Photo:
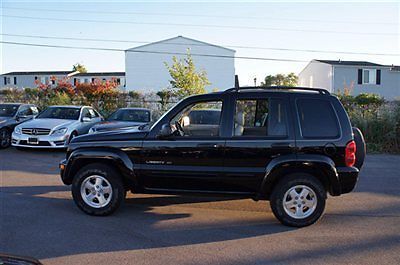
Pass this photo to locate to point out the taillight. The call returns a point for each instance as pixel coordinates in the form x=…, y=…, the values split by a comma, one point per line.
x=350, y=154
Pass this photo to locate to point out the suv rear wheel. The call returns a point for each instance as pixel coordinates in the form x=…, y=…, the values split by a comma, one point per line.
x=98, y=190
x=298, y=200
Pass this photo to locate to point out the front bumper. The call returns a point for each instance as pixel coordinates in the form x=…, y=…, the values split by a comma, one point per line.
x=44, y=141
x=348, y=177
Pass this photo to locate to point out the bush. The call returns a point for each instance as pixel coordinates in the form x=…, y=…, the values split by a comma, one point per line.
x=378, y=120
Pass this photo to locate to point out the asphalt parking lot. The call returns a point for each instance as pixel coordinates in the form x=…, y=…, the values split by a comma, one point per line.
x=39, y=219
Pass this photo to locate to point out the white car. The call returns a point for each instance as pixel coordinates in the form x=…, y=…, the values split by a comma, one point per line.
x=55, y=127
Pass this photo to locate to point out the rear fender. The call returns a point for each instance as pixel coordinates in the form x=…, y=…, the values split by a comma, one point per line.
x=319, y=166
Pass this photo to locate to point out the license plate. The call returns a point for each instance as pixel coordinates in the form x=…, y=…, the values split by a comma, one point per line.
x=33, y=141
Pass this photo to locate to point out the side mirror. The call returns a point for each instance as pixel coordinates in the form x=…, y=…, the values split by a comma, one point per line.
x=166, y=131
x=86, y=119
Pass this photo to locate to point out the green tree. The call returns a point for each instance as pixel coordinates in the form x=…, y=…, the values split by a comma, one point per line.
x=79, y=67
x=186, y=80
x=165, y=96
x=280, y=80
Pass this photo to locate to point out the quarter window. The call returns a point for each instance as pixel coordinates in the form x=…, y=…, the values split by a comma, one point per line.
x=260, y=117
x=317, y=119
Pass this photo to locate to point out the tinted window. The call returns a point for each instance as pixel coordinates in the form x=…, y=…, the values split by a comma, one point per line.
x=7, y=110
x=133, y=115
x=317, y=119
x=260, y=117
x=60, y=113
x=199, y=119
x=25, y=111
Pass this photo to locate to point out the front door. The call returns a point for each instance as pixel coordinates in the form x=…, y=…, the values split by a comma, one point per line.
x=260, y=133
x=192, y=158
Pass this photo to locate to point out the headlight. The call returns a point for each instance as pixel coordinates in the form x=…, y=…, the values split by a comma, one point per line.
x=17, y=130
x=60, y=131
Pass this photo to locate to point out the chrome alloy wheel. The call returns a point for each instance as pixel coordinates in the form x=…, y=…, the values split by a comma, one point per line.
x=96, y=191
x=299, y=202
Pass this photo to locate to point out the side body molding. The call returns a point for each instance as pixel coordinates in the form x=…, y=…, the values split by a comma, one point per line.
x=116, y=157
x=322, y=167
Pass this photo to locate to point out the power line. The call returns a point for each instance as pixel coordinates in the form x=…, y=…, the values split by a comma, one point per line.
x=151, y=52
x=200, y=25
x=201, y=15
x=195, y=44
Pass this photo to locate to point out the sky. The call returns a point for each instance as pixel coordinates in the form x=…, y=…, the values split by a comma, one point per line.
x=323, y=26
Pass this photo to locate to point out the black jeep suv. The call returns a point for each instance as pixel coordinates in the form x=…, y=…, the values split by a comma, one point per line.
x=290, y=146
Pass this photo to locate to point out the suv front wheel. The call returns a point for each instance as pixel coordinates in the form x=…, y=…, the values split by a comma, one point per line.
x=98, y=190
x=298, y=200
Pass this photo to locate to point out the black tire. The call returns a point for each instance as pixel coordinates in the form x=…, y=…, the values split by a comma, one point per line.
x=360, y=148
x=5, y=138
x=108, y=173
x=284, y=185
x=72, y=136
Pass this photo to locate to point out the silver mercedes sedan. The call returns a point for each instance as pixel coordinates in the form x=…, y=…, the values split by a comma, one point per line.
x=55, y=127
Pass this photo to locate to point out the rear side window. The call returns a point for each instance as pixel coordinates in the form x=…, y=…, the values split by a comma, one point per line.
x=317, y=119
x=260, y=118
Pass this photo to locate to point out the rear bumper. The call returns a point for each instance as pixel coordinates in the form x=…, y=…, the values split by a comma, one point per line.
x=348, y=177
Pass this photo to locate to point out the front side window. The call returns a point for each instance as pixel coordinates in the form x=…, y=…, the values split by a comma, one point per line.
x=317, y=119
x=260, y=117
x=199, y=119
x=60, y=113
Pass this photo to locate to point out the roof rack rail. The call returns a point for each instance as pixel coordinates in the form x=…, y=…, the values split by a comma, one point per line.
x=319, y=90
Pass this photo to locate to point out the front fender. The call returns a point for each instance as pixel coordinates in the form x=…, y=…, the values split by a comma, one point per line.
x=84, y=156
x=321, y=166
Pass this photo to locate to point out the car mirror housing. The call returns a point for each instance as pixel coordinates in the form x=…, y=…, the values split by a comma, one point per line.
x=166, y=131
x=86, y=119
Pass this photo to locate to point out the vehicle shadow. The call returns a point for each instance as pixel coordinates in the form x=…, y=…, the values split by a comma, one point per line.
x=43, y=222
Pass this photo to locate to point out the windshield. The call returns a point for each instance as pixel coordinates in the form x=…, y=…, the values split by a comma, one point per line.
x=7, y=110
x=60, y=113
x=132, y=115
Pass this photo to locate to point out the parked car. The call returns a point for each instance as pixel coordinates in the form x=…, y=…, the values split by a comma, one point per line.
x=55, y=127
x=12, y=114
x=291, y=146
x=124, y=118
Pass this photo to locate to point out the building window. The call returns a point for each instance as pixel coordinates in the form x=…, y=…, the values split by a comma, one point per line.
x=118, y=81
x=15, y=80
x=7, y=80
x=369, y=76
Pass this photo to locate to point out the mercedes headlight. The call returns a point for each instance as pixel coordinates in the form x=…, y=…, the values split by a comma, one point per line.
x=60, y=131
x=17, y=130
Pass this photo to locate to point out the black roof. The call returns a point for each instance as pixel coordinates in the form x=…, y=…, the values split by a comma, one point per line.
x=67, y=73
x=40, y=73
x=280, y=88
x=102, y=74
x=349, y=63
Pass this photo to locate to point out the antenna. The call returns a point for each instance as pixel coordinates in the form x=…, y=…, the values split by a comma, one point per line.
x=237, y=82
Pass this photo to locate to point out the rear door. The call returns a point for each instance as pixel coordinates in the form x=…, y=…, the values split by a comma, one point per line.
x=260, y=132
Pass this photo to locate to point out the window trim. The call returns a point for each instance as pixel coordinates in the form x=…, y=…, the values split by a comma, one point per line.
x=193, y=137
x=317, y=138
x=262, y=137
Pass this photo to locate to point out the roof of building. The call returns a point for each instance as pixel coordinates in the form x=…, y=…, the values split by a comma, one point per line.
x=349, y=63
x=39, y=73
x=102, y=74
x=199, y=43
x=67, y=73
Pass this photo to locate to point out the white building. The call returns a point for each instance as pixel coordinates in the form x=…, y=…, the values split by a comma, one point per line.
x=31, y=79
x=146, y=71
x=358, y=76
